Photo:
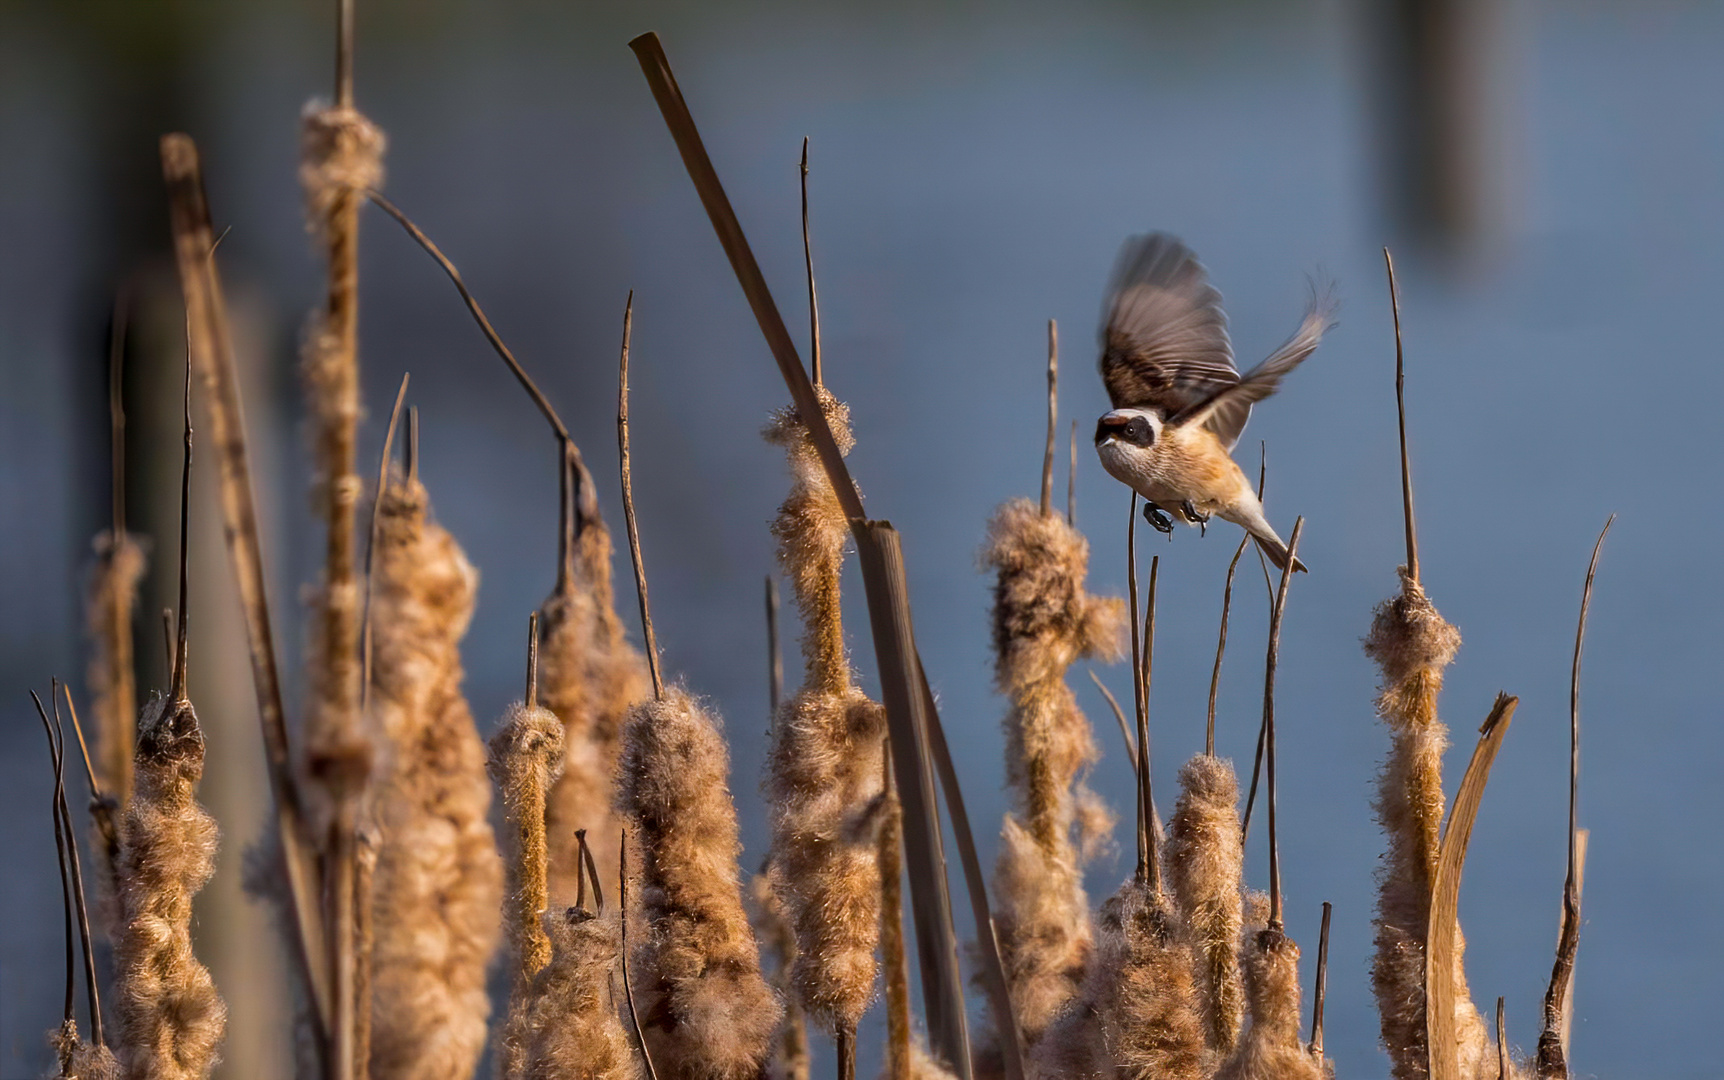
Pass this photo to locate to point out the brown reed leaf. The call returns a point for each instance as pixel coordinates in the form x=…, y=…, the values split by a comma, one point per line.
x=1454, y=1047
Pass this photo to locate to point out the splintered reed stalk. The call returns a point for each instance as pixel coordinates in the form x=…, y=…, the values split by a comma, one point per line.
x=171, y=1018
x=438, y=889
x=526, y=755
x=1552, y=1059
x=824, y=767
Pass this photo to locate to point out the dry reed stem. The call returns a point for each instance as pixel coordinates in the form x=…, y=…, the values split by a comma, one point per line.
x=574, y=1029
x=1552, y=1058
x=284, y=866
x=789, y=1059
x=111, y=599
x=1411, y=645
x=1043, y=621
x=526, y=756
x=708, y=1013
x=171, y=1018
x=1270, y=1048
x=1457, y=1051
x=1205, y=867
x=824, y=767
x=439, y=887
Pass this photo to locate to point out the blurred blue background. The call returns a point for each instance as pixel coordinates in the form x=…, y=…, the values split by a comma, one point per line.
x=974, y=169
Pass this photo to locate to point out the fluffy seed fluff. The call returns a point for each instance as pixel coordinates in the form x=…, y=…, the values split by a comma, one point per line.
x=574, y=1030
x=707, y=1012
x=171, y=1018
x=79, y=1060
x=589, y=675
x=1411, y=645
x=1205, y=857
x=1138, y=1015
x=1270, y=1048
x=1043, y=621
x=340, y=155
x=789, y=1060
x=824, y=775
x=438, y=887
x=526, y=756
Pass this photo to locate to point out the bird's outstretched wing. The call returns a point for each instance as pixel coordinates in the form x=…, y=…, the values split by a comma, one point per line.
x=1164, y=345
x=1226, y=409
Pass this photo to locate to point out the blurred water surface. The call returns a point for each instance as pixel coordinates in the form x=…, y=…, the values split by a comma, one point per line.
x=974, y=170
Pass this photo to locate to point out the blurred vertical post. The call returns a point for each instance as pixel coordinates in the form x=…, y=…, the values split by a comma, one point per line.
x=1444, y=82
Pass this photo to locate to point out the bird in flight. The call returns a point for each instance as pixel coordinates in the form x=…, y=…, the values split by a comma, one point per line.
x=1179, y=403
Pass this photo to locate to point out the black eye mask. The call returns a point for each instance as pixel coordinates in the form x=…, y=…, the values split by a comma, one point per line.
x=1138, y=432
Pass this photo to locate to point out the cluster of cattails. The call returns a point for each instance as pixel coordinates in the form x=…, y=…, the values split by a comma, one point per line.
x=587, y=843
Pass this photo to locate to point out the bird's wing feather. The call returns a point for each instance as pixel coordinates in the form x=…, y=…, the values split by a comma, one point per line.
x=1164, y=345
x=1227, y=408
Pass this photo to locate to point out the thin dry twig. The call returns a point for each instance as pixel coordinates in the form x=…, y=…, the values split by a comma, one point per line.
x=1269, y=721
x=1053, y=416
x=1221, y=649
x=1552, y=1058
x=1321, y=988
x=808, y=261
x=629, y=502
x=1401, y=418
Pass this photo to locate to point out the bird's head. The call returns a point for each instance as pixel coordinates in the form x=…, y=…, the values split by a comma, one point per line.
x=1128, y=427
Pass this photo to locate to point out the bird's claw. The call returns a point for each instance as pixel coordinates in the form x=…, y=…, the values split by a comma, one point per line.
x=1157, y=518
x=1190, y=510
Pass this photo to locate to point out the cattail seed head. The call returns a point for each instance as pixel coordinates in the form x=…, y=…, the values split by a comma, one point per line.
x=573, y=1029
x=1140, y=986
x=438, y=884
x=708, y=1013
x=1270, y=1048
x=171, y=1018
x=1043, y=621
x=1205, y=860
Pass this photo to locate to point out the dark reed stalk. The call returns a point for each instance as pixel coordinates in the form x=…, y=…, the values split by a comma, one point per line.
x=1320, y=990
x=629, y=502
x=78, y=899
x=1221, y=649
x=211, y=347
x=1269, y=721
x=808, y=262
x=1053, y=416
x=1552, y=1059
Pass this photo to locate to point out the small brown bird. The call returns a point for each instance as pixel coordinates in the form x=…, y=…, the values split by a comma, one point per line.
x=1179, y=403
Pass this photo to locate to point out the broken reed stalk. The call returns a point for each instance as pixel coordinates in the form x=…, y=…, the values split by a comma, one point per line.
x=808, y=263
x=210, y=343
x=1269, y=667
x=1044, y=620
x=1407, y=517
x=1552, y=1059
x=438, y=887
x=1148, y=821
x=526, y=754
x=710, y=1013
x=1456, y=1051
x=888, y=604
x=823, y=777
x=1502, y=1043
x=1320, y=988
x=112, y=595
x=171, y=1018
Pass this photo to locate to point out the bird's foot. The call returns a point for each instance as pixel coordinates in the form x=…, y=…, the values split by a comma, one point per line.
x=1189, y=509
x=1157, y=518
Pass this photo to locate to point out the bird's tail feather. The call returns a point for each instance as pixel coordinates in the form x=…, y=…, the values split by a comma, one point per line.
x=1276, y=550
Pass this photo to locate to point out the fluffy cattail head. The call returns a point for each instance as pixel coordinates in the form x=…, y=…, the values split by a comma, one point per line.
x=1205, y=860
x=1271, y=1049
x=1043, y=619
x=1411, y=644
x=170, y=751
x=1140, y=987
x=80, y=1060
x=709, y=1013
x=573, y=1029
